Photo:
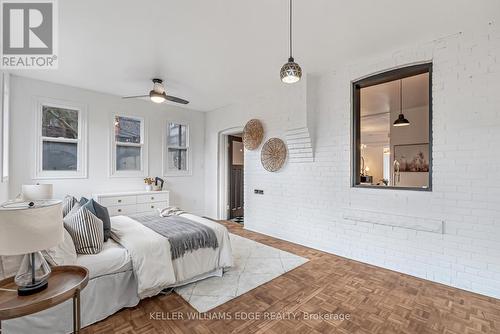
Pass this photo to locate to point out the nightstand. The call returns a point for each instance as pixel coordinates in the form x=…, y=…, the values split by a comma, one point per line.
x=65, y=282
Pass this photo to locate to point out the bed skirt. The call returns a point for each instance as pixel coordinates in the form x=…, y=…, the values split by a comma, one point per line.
x=103, y=296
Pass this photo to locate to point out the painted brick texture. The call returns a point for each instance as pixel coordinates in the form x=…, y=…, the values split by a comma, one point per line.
x=307, y=203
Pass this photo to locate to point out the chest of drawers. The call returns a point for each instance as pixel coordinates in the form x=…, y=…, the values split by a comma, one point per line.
x=126, y=203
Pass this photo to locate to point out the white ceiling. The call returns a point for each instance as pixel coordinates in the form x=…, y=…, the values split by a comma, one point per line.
x=217, y=52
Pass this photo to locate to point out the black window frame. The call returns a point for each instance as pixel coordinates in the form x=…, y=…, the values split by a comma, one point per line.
x=380, y=78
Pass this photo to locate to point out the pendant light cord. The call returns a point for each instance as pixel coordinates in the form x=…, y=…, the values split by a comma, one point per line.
x=290, y=28
x=401, y=96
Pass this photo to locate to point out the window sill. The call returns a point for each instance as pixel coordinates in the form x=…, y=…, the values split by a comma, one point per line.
x=55, y=177
x=174, y=174
x=361, y=186
x=130, y=175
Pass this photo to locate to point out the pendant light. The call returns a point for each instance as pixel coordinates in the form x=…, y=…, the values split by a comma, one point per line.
x=401, y=121
x=291, y=71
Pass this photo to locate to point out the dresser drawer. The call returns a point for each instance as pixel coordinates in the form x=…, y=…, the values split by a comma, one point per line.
x=117, y=200
x=118, y=210
x=150, y=198
x=153, y=206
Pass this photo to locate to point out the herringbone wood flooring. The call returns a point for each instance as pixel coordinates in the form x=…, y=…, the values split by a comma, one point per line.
x=378, y=301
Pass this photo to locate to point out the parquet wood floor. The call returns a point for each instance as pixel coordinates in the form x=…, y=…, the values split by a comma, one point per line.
x=377, y=300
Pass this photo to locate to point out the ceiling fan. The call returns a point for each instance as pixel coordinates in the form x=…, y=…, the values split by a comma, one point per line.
x=157, y=94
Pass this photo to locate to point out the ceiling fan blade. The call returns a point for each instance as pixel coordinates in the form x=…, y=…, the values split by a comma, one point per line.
x=134, y=97
x=176, y=99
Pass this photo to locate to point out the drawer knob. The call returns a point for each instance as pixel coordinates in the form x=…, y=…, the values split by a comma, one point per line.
x=119, y=210
x=152, y=198
x=119, y=201
x=152, y=206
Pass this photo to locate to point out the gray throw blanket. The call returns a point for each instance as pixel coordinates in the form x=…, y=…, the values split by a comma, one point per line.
x=183, y=234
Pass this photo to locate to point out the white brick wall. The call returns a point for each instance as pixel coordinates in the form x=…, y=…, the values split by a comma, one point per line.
x=308, y=203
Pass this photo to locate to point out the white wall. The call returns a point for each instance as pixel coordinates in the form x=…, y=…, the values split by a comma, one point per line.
x=186, y=191
x=310, y=203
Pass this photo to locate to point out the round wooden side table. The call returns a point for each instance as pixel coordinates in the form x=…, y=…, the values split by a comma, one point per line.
x=65, y=282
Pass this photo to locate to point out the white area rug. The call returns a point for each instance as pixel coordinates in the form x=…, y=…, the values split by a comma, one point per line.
x=254, y=264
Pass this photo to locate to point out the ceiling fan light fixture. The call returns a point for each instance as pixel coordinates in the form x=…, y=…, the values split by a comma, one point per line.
x=290, y=72
x=157, y=97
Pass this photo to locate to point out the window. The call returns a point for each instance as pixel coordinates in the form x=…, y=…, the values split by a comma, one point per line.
x=177, y=156
x=392, y=139
x=128, y=147
x=5, y=126
x=61, y=148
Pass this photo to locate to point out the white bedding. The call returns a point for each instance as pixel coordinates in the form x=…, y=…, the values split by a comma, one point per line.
x=152, y=261
x=112, y=259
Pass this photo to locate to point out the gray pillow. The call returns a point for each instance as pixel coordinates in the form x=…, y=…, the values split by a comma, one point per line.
x=86, y=230
x=103, y=214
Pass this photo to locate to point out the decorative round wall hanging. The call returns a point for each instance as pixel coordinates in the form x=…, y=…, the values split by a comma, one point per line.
x=253, y=134
x=273, y=154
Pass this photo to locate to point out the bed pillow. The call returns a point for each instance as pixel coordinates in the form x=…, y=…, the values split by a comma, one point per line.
x=68, y=203
x=9, y=265
x=86, y=230
x=73, y=210
x=102, y=213
x=83, y=201
x=62, y=254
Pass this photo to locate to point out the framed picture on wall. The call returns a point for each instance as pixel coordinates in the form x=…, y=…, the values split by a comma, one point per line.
x=413, y=158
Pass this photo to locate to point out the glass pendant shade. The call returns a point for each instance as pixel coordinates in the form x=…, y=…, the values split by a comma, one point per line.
x=290, y=72
x=157, y=97
x=401, y=121
x=33, y=273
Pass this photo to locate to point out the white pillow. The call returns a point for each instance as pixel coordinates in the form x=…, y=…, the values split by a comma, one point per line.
x=9, y=265
x=62, y=254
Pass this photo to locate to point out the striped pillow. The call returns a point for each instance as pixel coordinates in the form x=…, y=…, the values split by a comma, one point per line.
x=86, y=230
x=67, y=204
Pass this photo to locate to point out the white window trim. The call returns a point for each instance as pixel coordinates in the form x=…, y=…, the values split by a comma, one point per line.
x=165, y=146
x=5, y=116
x=82, y=150
x=143, y=172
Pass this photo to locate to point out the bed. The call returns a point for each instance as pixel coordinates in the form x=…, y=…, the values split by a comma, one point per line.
x=132, y=266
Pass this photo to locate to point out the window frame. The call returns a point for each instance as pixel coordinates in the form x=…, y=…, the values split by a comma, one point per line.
x=143, y=145
x=376, y=79
x=4, y=133
x=81, y=141
x=166, y=145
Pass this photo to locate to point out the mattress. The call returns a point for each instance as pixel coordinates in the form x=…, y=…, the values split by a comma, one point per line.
x=111, y=260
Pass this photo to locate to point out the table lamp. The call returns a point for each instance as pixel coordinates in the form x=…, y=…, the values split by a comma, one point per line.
x=28, y=228
x=34, y=192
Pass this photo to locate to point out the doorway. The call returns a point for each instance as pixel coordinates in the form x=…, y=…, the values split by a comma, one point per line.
x=236, y=164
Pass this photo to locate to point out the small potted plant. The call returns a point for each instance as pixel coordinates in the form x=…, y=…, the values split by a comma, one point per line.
x=149, y=181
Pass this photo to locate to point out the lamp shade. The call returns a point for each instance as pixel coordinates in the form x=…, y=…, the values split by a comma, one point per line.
x=34, y=192
x=27, y=227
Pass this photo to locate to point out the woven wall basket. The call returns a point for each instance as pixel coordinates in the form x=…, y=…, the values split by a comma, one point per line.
x=253, y=134
x=273, y=155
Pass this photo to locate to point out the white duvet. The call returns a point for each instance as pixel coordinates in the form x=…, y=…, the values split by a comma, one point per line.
x=152, y=261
